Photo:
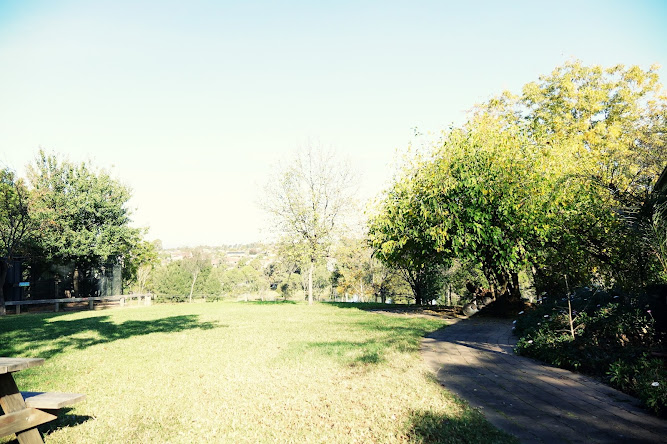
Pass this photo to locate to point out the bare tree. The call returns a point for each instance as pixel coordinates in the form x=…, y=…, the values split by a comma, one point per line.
x=143, y=274
x=195, y=263
x=308, y=199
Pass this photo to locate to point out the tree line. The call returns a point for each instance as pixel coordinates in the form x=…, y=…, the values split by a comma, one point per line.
x=547, y=188
x=349, y=272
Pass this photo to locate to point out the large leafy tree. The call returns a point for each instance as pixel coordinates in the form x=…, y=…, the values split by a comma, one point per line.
x=553, y=180
x=81, y=214
x=15, y=223
x=476, y=198
x=308, y=199
x=609, y=126
x=402, y=238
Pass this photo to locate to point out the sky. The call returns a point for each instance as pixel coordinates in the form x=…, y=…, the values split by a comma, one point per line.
x=193, y=104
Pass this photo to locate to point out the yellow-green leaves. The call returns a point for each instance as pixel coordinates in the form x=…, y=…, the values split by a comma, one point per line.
x=543, y=179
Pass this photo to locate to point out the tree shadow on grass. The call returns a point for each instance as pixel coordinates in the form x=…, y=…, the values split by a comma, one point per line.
x=21, y=336
x=63, y=421
x=470, y=427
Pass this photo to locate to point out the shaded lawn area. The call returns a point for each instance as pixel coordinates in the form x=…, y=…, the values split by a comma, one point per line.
x=237, y=372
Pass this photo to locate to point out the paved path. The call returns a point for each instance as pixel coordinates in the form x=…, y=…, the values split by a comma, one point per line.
x=537, y=403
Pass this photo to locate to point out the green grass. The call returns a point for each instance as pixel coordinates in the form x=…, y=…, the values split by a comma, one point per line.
x=235, y=372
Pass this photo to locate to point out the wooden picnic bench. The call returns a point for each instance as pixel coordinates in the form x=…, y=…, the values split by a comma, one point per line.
x=24, y=411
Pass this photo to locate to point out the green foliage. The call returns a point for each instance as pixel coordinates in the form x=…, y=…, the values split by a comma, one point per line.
x=196, y=263
x=14, y=213
x=476, y=199
x=211, y=283
x=141, y=254
x=81, y=213
x=556, y=180
x=656, y=238
x=358, y=273
x=401, y=237
x=643, y=377
x=606, y=127
x=15, y=223
x=456, y=280
x=614, y=335
x=172, y=280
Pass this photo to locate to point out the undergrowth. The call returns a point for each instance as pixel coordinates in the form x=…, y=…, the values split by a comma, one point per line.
x=615, y=339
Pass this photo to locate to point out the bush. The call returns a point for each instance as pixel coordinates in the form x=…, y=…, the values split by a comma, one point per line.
x=645, y=378
x=614, y=337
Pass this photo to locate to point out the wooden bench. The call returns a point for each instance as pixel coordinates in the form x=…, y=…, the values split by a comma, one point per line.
x=51, y=400
x=145, y=298
x=40, y=408
x=24, y=411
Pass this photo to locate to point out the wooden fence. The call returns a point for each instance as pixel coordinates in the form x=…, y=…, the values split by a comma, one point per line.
x=122, y=300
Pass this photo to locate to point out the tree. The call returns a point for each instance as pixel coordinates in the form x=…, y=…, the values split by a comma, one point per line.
x=358, y=272
x=551, y=181
x=143, y=275
x=400, y=235
x=80, y=213
x=387, y=282
x=608, y=127
x=308, y=199
x=484, y=199
x=194, y=264
x=15, y=223
x=140, y=260
x=353, y=266
x=172, y=279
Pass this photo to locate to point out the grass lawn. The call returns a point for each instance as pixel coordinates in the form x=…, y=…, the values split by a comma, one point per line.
x=239, y=372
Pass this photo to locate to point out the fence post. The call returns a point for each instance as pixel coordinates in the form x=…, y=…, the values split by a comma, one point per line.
x=18, y=309
x=90, y=304
x=122, y=302
x=57, y=307
x=147, y=299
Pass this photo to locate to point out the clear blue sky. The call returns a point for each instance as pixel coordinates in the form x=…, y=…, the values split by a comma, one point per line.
x=192, y=103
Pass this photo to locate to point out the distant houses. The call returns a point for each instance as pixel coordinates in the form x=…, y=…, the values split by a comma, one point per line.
x=220, y=256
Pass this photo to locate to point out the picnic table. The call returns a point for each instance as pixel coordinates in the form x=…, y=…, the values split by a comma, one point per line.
x=24, y=411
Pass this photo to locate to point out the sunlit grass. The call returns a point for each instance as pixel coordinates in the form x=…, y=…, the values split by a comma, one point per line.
x=235, y=372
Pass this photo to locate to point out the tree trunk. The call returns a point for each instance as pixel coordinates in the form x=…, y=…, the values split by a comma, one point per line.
x=75, y=282
x=514, y=288
x=419, y=293
x=4, y=266
x=192, y=287
x=310, y=282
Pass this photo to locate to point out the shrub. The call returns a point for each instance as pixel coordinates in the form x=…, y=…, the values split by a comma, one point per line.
x=614, y=337
x=645, y=378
